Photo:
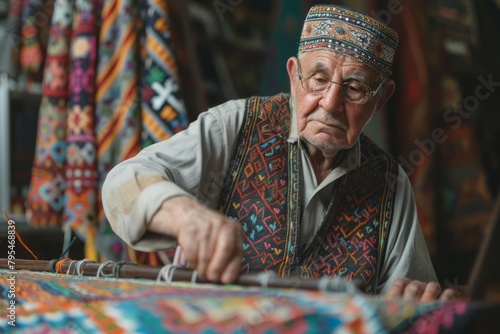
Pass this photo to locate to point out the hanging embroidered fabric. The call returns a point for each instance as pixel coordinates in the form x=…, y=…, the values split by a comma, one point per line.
x=118, y=122
x=81, y=175
x=45, y=201
x=162, y=109
x=91, y=120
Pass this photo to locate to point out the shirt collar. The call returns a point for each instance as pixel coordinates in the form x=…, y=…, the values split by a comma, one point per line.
x=293, y=135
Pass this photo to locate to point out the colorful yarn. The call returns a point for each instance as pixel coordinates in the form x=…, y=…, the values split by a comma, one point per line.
x=59, y=265
x=52, y=303
x=18, y=238
x=58, y=302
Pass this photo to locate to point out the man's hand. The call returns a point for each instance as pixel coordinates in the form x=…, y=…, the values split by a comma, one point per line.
x=210, y=241
x=419, y=291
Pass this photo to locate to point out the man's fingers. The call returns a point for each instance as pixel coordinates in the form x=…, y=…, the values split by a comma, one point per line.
x=232, y=271
x=227, y=249
x=397, y=288
x=431, y=292
x=205, y=242
x=419, y=291
x=408, y=289
x=211, y=242
x=189, y=248
x=413, y=290
x=448, y=295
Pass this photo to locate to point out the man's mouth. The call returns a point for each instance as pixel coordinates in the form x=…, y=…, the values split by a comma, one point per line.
x=331, y=123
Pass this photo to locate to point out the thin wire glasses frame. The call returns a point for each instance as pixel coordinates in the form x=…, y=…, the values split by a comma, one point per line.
x=354, y=91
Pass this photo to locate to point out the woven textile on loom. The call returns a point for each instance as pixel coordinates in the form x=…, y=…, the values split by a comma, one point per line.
x=55, y=303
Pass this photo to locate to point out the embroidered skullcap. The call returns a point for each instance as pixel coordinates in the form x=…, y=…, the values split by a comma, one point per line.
x=343, y=30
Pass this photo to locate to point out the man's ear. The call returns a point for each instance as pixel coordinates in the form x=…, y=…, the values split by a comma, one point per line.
x=292, y=67
x=387, y=91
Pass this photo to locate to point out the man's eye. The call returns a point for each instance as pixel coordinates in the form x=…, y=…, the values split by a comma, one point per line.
x=354, y=87
x=320, y=80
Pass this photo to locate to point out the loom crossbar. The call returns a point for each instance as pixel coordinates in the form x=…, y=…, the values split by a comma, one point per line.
x=130, y=270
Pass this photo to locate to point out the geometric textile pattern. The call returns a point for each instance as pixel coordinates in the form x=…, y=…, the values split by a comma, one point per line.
x=256, y=187
x=118, y=124
x=352, y=33
x=163, y=111
x=351, y=240
x=55, y=303
x=110, y=88
x=81, y=172
x=45, y=202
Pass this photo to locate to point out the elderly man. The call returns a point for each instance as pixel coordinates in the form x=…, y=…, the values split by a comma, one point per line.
x=287, y=183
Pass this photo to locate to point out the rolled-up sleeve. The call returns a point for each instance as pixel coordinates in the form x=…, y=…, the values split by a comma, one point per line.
x=191, y=163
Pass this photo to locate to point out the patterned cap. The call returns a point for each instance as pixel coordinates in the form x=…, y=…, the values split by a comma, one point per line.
x=357, y=35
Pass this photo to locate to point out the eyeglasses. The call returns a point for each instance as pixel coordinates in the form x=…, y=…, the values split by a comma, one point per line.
x=353, y=90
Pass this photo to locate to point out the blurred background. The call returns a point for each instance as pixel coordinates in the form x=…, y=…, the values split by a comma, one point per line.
x=442, y=123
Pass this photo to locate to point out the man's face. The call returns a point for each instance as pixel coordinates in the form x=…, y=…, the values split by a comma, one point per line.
x=328, y=121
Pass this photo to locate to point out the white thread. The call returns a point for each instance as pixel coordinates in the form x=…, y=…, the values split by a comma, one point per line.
x=264, y=277
x=160, y=273
x=179, y=259
x=171, y=274
x=79, y=266
x=167, y=273
x=337, y=284
x=69, y=268
x=101, y=267
x=194, y=275
x=323, y=284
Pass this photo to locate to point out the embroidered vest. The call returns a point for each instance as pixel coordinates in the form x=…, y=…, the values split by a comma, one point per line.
x=262, y=192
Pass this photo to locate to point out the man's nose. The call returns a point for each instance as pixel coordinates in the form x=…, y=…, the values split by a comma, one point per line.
x=333, y=100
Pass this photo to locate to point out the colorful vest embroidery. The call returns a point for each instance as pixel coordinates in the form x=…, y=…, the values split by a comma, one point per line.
x=261, y=191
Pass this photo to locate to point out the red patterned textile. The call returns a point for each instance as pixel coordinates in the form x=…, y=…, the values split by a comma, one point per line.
x=81, y=175
x=55, y=303
x=91, y=119
x=45, y=202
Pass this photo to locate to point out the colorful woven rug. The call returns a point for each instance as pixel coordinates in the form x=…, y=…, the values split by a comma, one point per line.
x=54, y=303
